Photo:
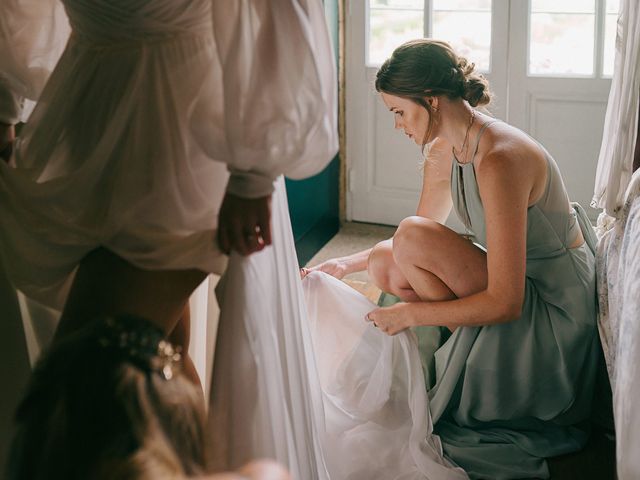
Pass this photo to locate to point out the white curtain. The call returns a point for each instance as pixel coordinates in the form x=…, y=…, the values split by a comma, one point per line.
x=615, y=163
x=617, y=191
x=618, y=273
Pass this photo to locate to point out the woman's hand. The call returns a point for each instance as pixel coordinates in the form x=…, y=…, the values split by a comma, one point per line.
x=7, y=137
x=254, y=470
x=392, y=320
x=244, y=224
x=264, y=470
x=335, y=267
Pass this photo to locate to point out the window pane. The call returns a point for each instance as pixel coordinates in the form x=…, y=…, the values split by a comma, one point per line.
x=613, y=6
x=388, y=29
x=564, y=6
x=462, y=5
x=414, y=4
x=610, y=26
x=473, y=41
x=561, y=44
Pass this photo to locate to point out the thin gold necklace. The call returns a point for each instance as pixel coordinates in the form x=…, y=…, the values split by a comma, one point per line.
x=465, y=142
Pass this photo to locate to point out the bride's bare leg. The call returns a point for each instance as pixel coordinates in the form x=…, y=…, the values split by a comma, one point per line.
x=181, y=335
x=106, y=284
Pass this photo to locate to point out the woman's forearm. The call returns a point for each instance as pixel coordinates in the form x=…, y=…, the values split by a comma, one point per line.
x=356, y=262
x=479, y=309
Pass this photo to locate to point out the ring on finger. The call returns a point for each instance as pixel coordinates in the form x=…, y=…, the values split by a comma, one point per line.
x=249, y=234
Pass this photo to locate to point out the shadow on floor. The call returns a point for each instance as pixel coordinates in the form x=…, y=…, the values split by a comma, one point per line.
x=596, y=462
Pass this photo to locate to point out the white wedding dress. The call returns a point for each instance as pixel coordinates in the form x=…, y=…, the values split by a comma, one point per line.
x=154, y=107
x=151, y=108
x=300, y=376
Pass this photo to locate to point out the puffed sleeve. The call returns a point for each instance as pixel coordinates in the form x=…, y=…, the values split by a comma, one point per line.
x=279, y=89
x=32, y=36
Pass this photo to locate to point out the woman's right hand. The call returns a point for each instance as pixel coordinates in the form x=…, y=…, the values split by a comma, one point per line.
x=254, y=470
x=335, y=267
x=264, y=470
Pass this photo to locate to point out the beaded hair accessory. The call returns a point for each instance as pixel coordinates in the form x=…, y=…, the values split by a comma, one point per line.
x=139, y=341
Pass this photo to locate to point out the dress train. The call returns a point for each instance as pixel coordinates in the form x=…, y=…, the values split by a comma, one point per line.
x=299, y=376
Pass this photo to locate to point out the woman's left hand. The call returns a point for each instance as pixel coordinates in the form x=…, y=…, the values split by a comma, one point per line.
x=391, y=320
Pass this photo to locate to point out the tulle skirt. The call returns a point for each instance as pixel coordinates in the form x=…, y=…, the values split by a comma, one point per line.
x=301, y=377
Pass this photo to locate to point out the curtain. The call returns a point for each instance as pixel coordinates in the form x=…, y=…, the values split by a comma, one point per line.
x=615, y=163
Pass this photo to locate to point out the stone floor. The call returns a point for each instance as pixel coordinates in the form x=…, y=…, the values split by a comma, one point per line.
x=355, y=237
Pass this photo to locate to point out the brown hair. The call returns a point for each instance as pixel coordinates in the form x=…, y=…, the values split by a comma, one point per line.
x=426, y=67
x=99, y=412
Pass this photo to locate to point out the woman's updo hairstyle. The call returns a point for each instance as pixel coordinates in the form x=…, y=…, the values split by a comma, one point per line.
x=425, y=67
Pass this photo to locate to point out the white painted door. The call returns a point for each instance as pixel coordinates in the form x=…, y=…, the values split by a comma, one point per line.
x=547, y=62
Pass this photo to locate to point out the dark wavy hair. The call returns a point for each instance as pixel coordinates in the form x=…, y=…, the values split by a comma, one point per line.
x=426, y=67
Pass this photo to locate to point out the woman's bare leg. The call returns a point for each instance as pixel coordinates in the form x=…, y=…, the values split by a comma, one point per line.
x=386, y=275
x=106, y=284
x=437, y=262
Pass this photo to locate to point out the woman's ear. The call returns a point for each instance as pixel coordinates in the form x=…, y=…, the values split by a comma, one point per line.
x=433, y=103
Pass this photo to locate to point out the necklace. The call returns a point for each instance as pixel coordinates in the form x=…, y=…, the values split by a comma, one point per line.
x=465, y=143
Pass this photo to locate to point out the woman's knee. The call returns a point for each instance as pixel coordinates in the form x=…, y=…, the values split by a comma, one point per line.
x=379, y=264
x=413, y=236
x=383, y=271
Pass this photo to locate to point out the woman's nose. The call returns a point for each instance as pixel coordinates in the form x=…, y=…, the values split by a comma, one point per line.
x=397, y=123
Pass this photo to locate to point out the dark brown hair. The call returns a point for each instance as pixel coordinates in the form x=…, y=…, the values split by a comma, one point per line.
x=102, y=412
x=426, y=67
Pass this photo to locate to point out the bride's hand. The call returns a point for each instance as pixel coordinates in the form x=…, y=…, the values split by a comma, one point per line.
x=391, y=320
x=334, y=267
x=244, y=224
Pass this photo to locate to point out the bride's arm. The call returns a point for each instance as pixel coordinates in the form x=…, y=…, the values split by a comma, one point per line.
x=279, y=113
x=280, y=91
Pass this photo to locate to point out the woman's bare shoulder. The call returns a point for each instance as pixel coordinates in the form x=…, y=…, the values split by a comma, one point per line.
x=507, y=147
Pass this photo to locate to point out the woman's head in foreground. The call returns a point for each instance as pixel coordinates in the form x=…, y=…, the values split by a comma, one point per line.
x=418, y=72
x=109, y=401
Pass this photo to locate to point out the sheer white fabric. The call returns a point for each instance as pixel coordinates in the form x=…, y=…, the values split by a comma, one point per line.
x=615, y=163
x=618, y=272
x=304, y=379
x=280, y=90
x=33, y=34
x=148, y=107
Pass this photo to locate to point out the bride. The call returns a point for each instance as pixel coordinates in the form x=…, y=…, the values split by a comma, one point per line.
x=111, y=199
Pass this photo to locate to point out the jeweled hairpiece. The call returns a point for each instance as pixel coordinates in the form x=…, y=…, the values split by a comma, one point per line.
x=142, y=343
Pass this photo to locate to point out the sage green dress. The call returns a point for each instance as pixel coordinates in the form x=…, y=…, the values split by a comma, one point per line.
x=505, y=397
